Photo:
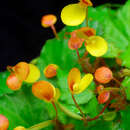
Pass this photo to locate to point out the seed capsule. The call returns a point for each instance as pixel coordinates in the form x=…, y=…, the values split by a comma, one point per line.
x=50, y=71
x=4, y=123
x=103, y=75
x=13, y=82
x=103, y=97
x=99, y=88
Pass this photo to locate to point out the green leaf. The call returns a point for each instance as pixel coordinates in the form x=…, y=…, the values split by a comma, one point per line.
x=22, y=108
x=125, y=118
x=3, y=87
x=126, y=85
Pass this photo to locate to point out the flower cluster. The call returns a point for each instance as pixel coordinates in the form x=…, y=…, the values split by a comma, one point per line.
x=96, y=46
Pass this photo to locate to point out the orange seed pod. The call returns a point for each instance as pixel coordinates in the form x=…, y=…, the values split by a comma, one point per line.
x=13, y=82
x=103, y=75
x=103, y=97
x=4, y=123
x=50, y=71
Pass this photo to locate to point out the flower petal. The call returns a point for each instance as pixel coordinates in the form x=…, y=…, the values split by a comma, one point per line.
x=44, y=90
x=73, y=78
x=83, y=84
x=96, y=46
x=73, y=14
x=34, y=74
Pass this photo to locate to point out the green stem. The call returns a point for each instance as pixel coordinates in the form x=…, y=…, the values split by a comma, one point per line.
x=41, y=125
x=69, y=113
x=124, y=72
x=34, y=61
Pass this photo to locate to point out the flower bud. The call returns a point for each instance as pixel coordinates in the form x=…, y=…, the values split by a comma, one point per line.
x=103, y=75
x=4, y=123
x=103, y=97
x=13, y=82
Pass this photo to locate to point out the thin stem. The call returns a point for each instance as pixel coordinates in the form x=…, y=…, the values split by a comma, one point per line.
x=41, y=125
x=78, y=107
x=87, y=16
x=112, y=89
x=54, y=105
x=77, y=51
x=9, y=68
x=54, y=31
x=96, y=117
x=68, y=112
x=117, y=81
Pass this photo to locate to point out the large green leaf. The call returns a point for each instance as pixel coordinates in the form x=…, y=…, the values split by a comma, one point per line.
x=126, y=85
x=22, y=108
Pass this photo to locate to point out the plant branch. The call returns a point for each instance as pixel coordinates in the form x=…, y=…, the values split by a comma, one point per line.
x=41, y=125
x=69, y=113
x=96, y=117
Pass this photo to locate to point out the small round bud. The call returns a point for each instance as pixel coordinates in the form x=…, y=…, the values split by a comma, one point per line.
x=103, y=75
x=48, y=20
x=99, y=88
x=4, y=123
x=50, y=71
x=19, y=128
x=103, y=97
x=13, y=82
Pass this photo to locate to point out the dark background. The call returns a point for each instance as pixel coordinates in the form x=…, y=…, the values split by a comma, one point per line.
x=21, y=34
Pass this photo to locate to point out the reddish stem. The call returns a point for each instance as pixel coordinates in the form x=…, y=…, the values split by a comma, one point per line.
x=117, y=81
x=96, y=117
x=54, y=31
x=54, y=105
x=77, y=51
x=79, y=108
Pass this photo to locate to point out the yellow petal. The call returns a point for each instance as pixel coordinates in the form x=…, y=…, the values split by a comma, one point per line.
x=57, y=95
x=44, y=90
x=73, y=14
x=96, y=46
x=83, y=84
x=34, y=74
x=73, y=78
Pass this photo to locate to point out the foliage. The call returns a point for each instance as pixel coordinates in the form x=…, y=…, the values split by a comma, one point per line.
x=22, y=108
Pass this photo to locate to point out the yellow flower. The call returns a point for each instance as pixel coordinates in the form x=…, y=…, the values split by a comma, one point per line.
x=76, y=83
x=50, y=71
x=19, y=128
x=96, y=46
x=44, y=91
x=34, y=74
x=74, y=14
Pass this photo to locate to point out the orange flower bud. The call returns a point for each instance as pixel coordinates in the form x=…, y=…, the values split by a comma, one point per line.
x=44, y=90
x=103, y=75
x=48, y=20
x=4, y=123
x=99, y=88
x=21, y=70
x=75, y=42
x=13, y=82
x=103, y=97
x=86, y=3
x=50, y=71
x=86, y=32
